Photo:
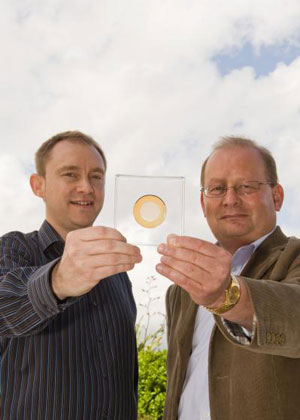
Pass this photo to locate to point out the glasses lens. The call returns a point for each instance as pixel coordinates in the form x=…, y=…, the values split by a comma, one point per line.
x=249, y=187
x=215, y=191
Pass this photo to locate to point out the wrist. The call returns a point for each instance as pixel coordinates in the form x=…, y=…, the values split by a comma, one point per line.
x=231, y=298
x=54, y=282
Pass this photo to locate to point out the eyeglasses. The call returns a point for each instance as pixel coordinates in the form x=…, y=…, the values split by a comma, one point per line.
x=248, y=187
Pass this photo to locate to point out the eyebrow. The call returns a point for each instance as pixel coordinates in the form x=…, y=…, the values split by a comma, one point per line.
x=76, y=168
x=214, y=180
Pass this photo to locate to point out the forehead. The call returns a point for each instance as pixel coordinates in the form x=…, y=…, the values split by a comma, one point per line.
x=235, y=163
x=67, y=153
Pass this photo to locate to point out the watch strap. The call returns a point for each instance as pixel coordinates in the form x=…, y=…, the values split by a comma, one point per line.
x=232, y=296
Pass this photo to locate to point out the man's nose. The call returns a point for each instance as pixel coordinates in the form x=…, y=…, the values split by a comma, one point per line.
x=231, y=197
x=85, y=185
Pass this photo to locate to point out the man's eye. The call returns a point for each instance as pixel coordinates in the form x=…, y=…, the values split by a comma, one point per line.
x=70, y=174
x=246, y=187
x=216, y=189
x=97, y=177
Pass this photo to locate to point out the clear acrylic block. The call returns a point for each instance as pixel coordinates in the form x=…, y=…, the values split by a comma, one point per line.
x=148, y=208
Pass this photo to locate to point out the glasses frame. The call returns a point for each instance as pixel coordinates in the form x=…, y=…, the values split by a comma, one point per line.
x=235, y=188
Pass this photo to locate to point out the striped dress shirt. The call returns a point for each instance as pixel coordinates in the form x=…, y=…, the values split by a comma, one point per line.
x=67, y=360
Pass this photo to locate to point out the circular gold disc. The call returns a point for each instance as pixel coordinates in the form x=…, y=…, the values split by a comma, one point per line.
x=149, y=211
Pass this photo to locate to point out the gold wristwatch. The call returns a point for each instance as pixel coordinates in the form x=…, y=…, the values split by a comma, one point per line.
x=232, y=296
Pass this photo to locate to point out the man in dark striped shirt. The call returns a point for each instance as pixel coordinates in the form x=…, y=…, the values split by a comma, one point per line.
x=67, y=312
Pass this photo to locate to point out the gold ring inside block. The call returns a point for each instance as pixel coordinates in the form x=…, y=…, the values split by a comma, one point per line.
x=149, y=211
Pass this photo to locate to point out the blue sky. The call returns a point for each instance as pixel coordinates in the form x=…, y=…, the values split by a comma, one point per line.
x=264, y=61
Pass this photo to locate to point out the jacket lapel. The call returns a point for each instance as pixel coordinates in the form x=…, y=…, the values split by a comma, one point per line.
x=265, y=256
x=187, y=321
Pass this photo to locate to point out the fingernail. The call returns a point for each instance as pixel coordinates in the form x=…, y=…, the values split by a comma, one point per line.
x=171, y=238
x=161, y=248
x=159, y=268
x=171, y=235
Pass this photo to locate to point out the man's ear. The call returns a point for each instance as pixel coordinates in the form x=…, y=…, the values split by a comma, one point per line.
x=278, y=196
x=202, y=203
x=37, y=183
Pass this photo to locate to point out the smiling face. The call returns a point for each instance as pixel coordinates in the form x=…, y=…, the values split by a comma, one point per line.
x=73, y=186
x=238, y=220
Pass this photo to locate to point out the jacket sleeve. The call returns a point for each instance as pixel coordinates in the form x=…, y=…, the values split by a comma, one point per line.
x=276, y=302
x=27, y=303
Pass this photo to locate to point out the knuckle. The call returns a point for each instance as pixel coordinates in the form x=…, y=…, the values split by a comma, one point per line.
x=189, y=268
x=199, y=244
x=70, y=236
x=183, y=279
x=73, y=251
x=110, y=246
x=194, y=258
x=206, y=288
x=121, y=237
x=128, y=267
x=101, y=230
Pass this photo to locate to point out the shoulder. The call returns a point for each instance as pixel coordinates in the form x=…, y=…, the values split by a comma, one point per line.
x=293, y=242
x=16, y=240
x=290, y=254
x=281, y=245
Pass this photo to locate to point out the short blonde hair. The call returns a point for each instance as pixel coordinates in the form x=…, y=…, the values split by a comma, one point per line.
x=43, y=153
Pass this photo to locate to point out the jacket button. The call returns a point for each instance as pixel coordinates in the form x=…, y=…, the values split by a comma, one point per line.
x=282, y=339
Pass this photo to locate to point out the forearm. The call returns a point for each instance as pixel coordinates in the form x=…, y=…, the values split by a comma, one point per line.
x=27, y=302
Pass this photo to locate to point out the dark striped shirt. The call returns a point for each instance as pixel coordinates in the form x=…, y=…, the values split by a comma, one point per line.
x=70, y=360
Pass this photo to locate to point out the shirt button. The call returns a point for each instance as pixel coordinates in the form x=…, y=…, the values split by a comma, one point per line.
x=105, y=376
x=100, y=339
x=94, y=303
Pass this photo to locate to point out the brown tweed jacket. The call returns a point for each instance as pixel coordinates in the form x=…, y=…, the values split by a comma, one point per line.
x=256, y=382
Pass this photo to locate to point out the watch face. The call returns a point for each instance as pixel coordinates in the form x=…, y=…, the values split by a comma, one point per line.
x=234, y=294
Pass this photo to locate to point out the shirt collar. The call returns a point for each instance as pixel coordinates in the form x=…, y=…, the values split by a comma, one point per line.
x=243, y=254
x=48, y=236
x=260, y=240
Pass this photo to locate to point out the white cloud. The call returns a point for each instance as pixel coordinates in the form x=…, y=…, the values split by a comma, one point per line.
x=19, y=210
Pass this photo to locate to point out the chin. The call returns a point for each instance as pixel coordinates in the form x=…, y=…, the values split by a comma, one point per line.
x=81, y=224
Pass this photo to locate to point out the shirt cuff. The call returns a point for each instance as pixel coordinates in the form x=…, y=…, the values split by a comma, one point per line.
x=40, y=292
x=240, y=334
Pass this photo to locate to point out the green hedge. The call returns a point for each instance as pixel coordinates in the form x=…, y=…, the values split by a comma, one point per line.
x=152, y=383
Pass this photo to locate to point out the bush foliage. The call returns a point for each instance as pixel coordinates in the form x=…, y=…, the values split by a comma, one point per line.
x=152, y=364
x=152, y=382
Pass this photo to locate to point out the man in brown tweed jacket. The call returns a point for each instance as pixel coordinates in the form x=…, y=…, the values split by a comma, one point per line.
x=234, y=310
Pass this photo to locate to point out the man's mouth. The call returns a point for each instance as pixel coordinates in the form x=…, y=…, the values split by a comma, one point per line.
x=233, y=216
x=82, y=203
